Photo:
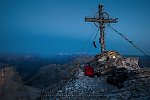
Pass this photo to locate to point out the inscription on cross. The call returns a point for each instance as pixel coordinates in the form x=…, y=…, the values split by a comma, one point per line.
x=101, y=20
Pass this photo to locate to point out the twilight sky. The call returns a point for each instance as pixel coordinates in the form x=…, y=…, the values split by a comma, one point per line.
x=57, y=26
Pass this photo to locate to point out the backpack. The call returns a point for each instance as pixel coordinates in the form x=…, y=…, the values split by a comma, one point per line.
x=89, y=71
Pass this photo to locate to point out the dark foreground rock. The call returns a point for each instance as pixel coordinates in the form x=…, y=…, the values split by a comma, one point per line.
x=12, y=87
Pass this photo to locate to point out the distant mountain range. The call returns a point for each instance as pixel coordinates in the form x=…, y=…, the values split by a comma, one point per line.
x=28, y=65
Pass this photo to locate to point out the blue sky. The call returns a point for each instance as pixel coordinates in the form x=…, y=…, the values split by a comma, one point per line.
x=57, y=26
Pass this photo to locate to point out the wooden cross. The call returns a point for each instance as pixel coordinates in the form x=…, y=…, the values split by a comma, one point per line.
x=101, y=20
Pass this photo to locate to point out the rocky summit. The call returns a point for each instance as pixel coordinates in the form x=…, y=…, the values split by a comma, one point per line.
x=86, y=88
x=114, y=78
